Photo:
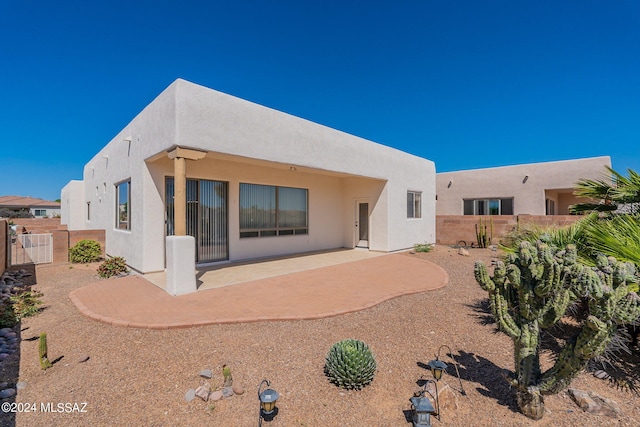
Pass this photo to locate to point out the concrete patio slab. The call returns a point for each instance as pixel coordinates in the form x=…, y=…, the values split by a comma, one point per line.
x=133, y=301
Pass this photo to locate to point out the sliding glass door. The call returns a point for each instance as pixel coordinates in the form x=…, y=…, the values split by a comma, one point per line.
x=207, y=217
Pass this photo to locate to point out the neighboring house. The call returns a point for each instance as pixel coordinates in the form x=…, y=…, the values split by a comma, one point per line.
x=37, y=207
x=245, y=181
x=530, y=189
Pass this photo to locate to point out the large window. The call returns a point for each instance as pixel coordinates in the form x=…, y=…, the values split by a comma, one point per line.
x=267, y=210
x=488, y=206
x=123, y=205
x=414, y=204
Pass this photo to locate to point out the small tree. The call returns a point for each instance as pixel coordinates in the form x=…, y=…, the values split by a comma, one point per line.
x=532, y=291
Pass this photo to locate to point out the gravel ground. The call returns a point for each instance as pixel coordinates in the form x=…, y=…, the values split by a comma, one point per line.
x=136, y=377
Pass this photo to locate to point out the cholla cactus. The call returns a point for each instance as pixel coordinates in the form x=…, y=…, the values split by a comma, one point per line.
x=350, y=364
x=532, y=292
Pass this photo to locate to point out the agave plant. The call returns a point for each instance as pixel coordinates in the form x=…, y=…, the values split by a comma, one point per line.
x=350, y=364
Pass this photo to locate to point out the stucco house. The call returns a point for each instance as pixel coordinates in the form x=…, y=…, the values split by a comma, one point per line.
x=202, y=177
x=529, y=189
x=39, y=208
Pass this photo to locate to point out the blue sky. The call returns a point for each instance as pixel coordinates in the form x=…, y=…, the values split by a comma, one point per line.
x=467, y=84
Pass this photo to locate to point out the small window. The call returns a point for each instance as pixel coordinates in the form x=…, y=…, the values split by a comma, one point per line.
x=123, y=205
x=414, y=204
x=88, y=211
x=488, y=206
x=40, y=212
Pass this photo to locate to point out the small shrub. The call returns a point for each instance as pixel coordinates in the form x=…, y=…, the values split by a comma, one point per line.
x=85, y=251
x=350, y=364
x=112, y=267
x=423, y=247
x=7, y=316
x=26, y=304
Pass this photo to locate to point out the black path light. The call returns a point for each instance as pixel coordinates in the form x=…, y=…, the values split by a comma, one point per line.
x=437, y=367
x=421, y=404
x=423, y=408
x=268, y=400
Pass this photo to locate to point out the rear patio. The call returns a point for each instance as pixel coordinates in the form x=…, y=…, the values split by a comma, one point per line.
x=286, y=289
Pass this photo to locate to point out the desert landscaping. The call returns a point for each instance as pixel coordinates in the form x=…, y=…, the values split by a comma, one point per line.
x=113, y=375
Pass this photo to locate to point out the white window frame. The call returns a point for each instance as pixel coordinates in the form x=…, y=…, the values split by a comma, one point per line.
x=123, y=224
x=414, y=204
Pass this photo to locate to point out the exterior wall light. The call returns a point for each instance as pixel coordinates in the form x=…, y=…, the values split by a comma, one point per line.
x=268, y=400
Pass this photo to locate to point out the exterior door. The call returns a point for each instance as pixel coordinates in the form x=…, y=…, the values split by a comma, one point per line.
x=362, y=224
x=207, y=217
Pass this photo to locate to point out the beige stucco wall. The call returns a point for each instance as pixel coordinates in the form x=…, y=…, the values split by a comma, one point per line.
x=551, y=179
x=247, y=142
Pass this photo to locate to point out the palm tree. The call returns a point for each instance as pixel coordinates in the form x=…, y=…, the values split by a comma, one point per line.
x=615, y=193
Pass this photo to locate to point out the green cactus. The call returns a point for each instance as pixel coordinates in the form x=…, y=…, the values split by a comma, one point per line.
x=226, y=374
x=532, y=292
x=42, y=350
x=350, y=364
x=482, y=237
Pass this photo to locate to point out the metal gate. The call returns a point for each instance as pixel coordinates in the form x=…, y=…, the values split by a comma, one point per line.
x=31, y=249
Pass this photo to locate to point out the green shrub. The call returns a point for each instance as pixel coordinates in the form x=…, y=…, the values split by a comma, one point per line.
x=7, y=316
x=85, y=251
x=26, y=304
x=112, y=267
x=350, y=364
x=423, y=247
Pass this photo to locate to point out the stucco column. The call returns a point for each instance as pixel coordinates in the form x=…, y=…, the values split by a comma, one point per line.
x=180, y=248
x=180, y=156
x=180, y=196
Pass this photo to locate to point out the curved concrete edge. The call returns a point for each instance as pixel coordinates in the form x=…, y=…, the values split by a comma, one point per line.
x=250, y=319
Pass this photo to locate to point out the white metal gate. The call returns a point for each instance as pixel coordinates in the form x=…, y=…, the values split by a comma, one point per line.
x=31, y=249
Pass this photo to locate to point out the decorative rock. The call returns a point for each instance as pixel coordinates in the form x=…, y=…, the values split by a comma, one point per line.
x=4, y=384
x=238, y=389
x=463, y=252
x=594, y=404
x=227, y=391
x=190, y=395
x=83, y=359
x=7, y=392
x=206, y=373
x=215, y=396
x=3, y=356
x=203, y=392
x=601, y=375
x=5, y=331
x=447, y=398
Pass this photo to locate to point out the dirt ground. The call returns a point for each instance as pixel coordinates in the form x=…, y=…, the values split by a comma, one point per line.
x=138, y=377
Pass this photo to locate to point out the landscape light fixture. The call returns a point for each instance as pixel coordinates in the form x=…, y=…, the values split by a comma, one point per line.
x=267, y=400
x=422, y=407
x=437, y=367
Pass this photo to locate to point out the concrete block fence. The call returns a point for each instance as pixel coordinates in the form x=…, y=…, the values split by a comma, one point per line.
x=451, y=229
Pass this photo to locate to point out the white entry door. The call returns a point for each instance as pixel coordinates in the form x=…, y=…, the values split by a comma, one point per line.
x=362, y=224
